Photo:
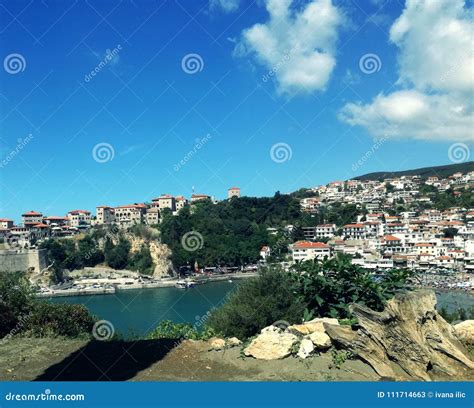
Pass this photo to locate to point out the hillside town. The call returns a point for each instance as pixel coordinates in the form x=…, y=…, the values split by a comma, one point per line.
x=396, y=225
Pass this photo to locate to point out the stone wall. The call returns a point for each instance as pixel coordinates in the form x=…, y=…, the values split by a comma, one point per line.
x=22, y=260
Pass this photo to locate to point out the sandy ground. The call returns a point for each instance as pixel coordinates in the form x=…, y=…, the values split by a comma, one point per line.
x=62, y=359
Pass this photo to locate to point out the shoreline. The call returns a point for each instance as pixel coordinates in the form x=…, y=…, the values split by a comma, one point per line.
x=152, y=285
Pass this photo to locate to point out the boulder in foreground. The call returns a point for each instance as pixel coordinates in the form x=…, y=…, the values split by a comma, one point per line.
x=271, y=344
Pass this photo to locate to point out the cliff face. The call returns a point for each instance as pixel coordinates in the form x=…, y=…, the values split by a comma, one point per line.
x=160, y=253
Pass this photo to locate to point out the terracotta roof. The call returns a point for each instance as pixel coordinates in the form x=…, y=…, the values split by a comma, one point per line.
x=234, y=188
x=5, y=220
x=79, y=212
x=354, y=226
x=307, y=244
x=391, y=238
x=40, y=226
x=31, y=213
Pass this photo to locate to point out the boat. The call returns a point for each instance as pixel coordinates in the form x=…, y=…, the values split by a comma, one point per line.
x=185, y=284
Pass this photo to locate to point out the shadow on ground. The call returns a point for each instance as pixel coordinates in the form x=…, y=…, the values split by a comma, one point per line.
x=108, y=360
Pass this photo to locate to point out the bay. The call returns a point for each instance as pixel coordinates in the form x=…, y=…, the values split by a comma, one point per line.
x=135, y=312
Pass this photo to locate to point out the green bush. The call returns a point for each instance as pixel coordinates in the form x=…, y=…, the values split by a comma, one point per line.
x=22, y=313
x=328, y=288
x=50, y=320
x=16, y=299
x=257, y=303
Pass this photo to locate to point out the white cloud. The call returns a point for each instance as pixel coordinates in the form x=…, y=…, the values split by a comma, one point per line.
x=436, y=63
x=227, y=6
x=296, y=46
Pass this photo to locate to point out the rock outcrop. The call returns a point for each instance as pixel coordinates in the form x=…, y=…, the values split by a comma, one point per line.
x=407, y=340
x=465, y=331
x=312, y=326
x=271, y=344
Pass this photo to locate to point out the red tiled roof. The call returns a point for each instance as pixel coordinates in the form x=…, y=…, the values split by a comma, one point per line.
x=354, y=226
x=31, y=213
x=391, y=238
x=5, y=220
x=234, y=188
x=79, y=212
x=307, y=244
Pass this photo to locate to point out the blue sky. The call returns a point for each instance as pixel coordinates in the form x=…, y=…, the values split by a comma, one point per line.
x=291, y=94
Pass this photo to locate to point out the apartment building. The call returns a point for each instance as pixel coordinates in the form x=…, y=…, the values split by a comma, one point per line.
x=79, y=218
x=306, y=251
x=31, y=218
x=233, y=192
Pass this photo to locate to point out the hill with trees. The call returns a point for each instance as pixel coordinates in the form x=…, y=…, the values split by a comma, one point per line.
x=424, y=172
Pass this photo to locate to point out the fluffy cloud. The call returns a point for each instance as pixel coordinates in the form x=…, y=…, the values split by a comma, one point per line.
x=436, y=76
x=296, y=46
x=227, y=6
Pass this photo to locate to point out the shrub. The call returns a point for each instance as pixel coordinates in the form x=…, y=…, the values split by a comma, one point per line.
x=328, y=288
x=48, y=319
x=258, y=302
x=16, y=299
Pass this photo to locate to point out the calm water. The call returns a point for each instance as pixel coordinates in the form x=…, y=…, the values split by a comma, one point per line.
x=139, y=311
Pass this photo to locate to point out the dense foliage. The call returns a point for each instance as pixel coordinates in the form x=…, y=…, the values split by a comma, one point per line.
x=233, y=231
x=258, y=302
x=21, y=313
x=312, y=290
x=328, y=288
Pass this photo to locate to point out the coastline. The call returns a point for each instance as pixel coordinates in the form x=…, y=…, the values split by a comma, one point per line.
x=152, y=285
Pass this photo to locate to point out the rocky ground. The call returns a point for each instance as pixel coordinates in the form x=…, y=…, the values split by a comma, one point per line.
x=30, y=359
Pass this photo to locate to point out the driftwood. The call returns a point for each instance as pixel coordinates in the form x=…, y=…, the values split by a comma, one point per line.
x=407, y=340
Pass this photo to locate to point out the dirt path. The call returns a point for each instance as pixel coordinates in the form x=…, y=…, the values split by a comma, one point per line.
x=62, y=359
